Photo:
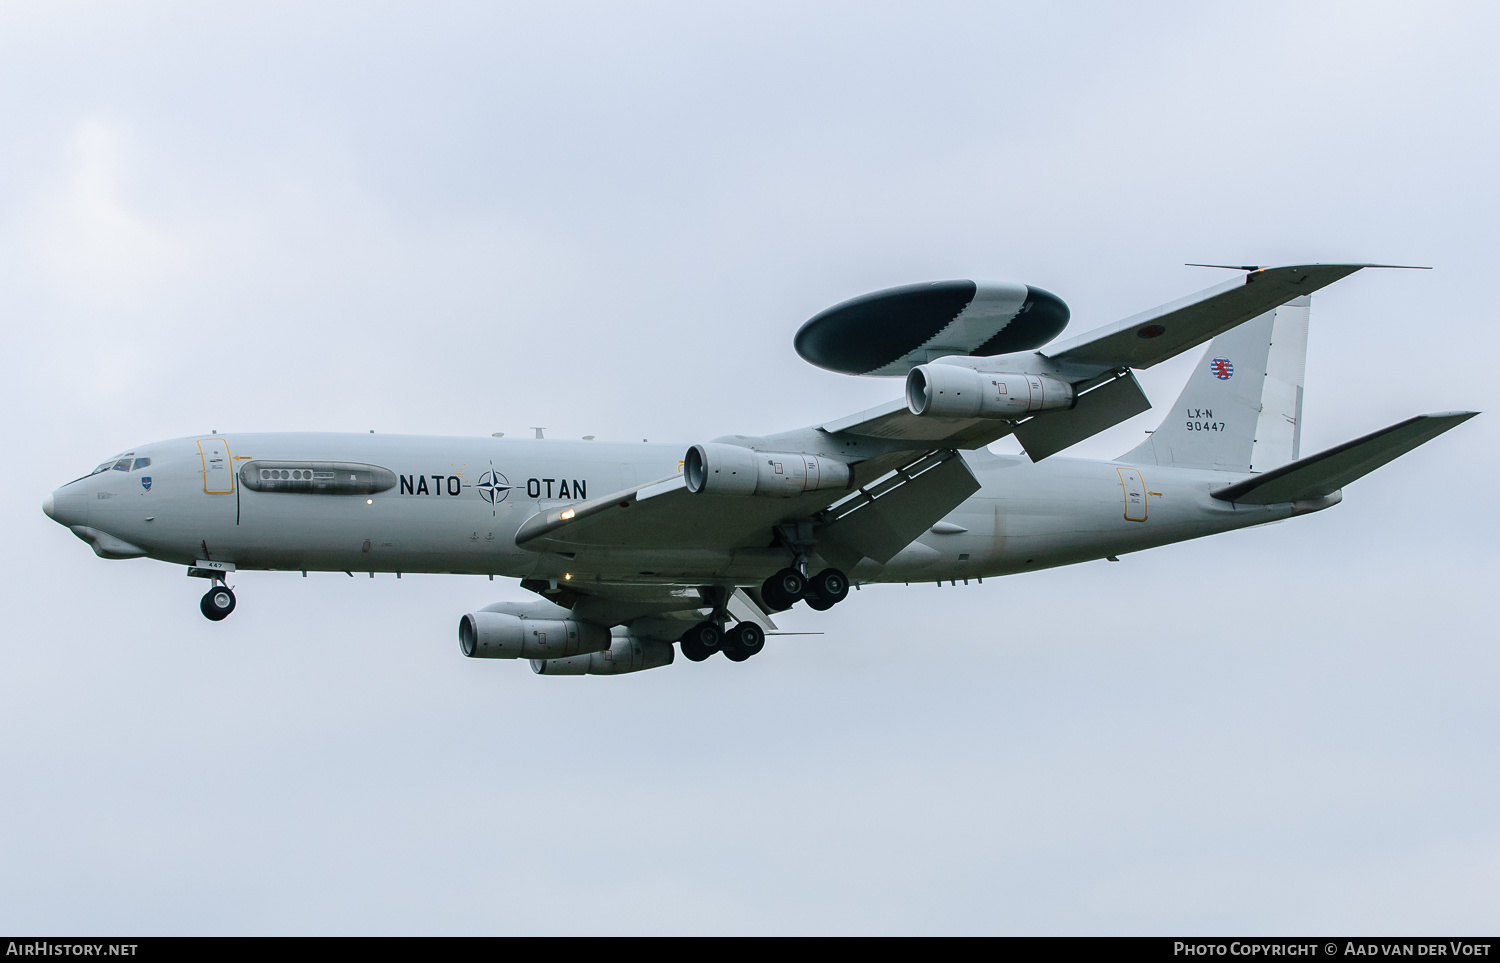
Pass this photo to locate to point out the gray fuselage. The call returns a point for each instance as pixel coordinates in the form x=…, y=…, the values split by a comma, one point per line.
x=457, y=504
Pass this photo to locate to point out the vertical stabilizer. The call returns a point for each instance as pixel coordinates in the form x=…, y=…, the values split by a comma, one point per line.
x=1278, y=433
x=1242, y=407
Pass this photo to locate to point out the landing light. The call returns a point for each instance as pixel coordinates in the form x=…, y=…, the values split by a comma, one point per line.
x=567, y=514
x=369, y=501
x=567, y=576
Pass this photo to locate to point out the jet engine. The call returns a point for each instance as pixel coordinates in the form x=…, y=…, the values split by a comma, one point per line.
x=497, y=635
x=625, y=654
x=731, y=470
x=952, y=391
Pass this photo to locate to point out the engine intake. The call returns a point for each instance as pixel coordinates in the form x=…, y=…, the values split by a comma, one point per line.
x=496, y=635
x=951, y=391
x=721, y=469
x=625, y=654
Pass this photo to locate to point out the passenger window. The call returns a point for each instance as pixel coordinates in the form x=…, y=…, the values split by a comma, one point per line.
x=141, y=463
x=122, y=465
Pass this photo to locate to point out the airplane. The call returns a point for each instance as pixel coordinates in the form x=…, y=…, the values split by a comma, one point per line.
x=636, y=551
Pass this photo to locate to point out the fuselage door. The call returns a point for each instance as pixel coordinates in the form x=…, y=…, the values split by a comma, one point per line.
x=218, y=470
x=1135, y=494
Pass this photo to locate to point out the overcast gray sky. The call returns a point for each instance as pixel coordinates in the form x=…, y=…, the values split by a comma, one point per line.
x=464, y=218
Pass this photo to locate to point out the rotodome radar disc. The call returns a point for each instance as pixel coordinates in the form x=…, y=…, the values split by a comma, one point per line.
x=890, y=331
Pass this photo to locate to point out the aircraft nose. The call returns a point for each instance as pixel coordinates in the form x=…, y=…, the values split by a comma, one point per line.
x=64, y=508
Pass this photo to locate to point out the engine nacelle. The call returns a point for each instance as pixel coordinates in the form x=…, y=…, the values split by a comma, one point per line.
x=952, y=391
x=625, y=654
x=496, y=635
x=731, y=470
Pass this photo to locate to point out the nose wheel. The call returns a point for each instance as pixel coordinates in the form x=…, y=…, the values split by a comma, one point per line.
x=217, y=603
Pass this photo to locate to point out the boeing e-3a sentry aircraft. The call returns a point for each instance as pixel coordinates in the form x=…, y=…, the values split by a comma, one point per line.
x=635, y=547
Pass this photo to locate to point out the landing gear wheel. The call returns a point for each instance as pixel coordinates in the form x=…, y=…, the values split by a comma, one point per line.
x=217, y=603
x=743, y=641
x=831, y=585
x=818, y=603
x=700, y=641
x=782, y=590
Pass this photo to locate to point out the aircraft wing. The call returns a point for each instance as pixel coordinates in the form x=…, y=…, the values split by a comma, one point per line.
x=1103, y=358
x=1326, y=472
x=665, y=515
x=661, y=524
x=1152, y=337
x=893, y=421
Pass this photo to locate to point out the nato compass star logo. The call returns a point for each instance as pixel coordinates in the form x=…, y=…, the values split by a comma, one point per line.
x=493, y=486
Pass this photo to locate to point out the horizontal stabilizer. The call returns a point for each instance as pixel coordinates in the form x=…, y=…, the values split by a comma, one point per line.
x=1326, y=472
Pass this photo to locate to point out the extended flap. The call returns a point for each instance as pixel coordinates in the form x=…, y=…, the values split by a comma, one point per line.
x=1097, y=409
x=882, y=521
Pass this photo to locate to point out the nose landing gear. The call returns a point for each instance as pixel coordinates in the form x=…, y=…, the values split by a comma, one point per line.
x=217, y=603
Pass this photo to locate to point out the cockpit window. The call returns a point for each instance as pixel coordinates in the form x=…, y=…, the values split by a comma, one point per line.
x=121, y=463
x=127, y=462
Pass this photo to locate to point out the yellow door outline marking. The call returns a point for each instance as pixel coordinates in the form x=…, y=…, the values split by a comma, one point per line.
x=229, y=465
x=1141, y=492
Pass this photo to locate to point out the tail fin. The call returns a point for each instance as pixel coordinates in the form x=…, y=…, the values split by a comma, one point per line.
x=1242, y=407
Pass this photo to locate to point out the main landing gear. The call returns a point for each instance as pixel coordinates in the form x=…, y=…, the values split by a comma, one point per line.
x=217, y=602
x=821, y=592
x=701, y=641
x=780, y=592
x=737, y=644
x=743, y=641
